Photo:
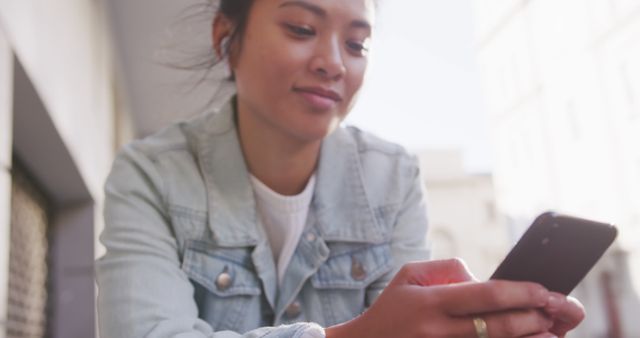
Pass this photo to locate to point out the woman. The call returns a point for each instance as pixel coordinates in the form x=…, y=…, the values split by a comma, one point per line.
x=267, y=219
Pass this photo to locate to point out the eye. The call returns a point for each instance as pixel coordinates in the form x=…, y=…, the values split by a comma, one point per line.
x=357, y=47
x=300, y=31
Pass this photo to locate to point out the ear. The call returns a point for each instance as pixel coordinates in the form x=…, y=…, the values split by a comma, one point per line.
x=221, y=29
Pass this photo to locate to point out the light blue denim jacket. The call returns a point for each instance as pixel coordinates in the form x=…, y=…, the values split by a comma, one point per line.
x=180, y=212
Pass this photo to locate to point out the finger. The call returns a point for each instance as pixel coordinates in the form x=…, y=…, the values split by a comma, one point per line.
x=566, y=312
x=517, y=323
x=509, y=324
x=438, y=272
x=493, y=296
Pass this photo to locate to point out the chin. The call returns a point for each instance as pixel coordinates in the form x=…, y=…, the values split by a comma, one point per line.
x=315, y=132
x=311, y=136
x=314, y=126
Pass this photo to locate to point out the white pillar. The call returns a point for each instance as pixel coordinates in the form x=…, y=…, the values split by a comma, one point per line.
x=6, y=136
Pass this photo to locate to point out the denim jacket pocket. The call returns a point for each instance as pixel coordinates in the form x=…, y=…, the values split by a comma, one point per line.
x=342, y=281
x=226, y=284
x=355, y=268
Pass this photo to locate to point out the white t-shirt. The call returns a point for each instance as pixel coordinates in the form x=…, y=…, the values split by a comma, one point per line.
x=284, y=218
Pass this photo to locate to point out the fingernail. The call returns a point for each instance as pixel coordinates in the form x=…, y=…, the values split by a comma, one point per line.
x=543, y=296
x=554, y=302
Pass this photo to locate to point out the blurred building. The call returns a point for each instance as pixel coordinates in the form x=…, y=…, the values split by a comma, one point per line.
x=463, y=218
x=57, y=139
x=562, y=81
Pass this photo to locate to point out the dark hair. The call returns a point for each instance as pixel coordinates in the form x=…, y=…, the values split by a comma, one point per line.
x=237, y=11
x=187, y=46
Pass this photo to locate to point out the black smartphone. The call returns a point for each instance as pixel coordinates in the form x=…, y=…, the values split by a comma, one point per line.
x=557, y=251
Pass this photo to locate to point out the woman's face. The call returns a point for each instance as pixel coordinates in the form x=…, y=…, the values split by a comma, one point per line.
x=302, y=62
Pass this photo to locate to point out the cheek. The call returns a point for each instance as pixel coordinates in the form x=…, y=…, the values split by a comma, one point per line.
x=273, y=66
x=355, y=76
x=290, y=62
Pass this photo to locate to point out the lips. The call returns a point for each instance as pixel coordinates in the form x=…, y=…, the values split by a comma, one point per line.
x=319, y=98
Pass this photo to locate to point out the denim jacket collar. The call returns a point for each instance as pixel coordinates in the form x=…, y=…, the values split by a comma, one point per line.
x=340, y=199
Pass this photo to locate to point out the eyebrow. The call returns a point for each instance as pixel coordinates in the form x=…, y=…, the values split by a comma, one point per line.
x=319, y=11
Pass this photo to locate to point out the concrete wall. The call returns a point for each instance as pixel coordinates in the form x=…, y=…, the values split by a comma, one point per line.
x=40, y=149
x=61, y=103
x=64, y=48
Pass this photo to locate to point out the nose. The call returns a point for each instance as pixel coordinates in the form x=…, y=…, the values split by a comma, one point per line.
x=328, y=62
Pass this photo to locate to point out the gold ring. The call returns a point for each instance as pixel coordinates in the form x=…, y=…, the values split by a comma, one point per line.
x=481, y=327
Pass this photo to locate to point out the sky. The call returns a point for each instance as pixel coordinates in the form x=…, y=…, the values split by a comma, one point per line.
x=423, y=86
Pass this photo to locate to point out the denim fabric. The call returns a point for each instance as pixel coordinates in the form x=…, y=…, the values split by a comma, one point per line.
x=180, y=212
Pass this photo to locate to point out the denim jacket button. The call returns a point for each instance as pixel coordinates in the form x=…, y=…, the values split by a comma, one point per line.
x=223, y=281
x=293, y=310
x=311, y=237
x=357, y=270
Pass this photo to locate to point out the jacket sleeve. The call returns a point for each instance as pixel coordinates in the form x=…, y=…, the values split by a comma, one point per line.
x=142, y=291
x=409, y=236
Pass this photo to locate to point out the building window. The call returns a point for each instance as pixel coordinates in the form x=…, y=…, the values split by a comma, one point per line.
x=28, y=255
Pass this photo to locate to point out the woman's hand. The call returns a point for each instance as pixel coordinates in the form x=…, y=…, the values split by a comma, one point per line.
x=440, y=299
x=565, y=312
